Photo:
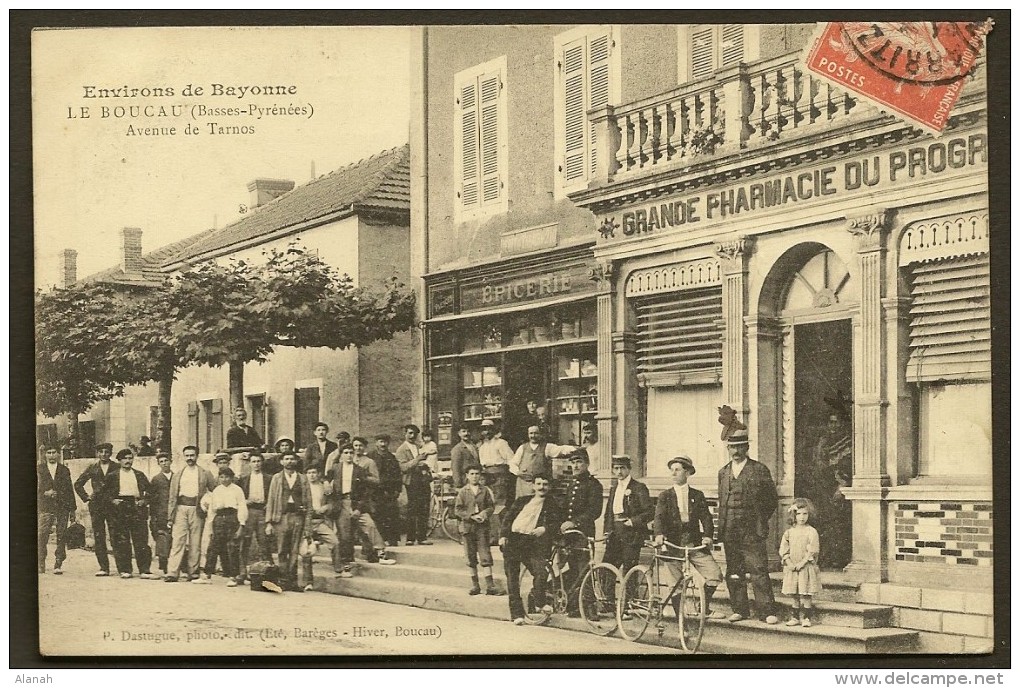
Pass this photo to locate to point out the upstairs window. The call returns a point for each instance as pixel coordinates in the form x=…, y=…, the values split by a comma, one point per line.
x=480, y=140
x=707, y=48
x=587, y=76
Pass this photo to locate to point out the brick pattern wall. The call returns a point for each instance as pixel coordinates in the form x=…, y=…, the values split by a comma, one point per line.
x=953, y=533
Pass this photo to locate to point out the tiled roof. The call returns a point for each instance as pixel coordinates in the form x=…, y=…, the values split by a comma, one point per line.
x=152, y=261
x=381, y=182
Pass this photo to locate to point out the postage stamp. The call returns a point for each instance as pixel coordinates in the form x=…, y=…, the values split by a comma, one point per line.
x=914, y=69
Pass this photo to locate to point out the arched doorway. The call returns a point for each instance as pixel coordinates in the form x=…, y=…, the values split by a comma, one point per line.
x=811, y=299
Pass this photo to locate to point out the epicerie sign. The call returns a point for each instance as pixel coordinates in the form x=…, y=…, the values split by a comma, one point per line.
x=497, y=291
x=853, y=176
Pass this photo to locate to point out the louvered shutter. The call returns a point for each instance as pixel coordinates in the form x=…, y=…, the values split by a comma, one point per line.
x=216, y=425
x=599, y=50
x=731, y=45
x=702, y=52
x=679, y=332
x=468, y=130
x=573, y=64
x=193, y=423
x=489, y=137
x=950, y=320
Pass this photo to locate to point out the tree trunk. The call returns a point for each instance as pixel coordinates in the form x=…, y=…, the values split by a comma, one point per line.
x=163, y=440
x=75, y=448
x=236, y=385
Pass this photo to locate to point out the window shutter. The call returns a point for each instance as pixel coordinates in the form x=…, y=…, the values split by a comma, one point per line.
x=469, y=144
x=306, y=414
x=731, y=47
x=193, y=423
x=702, y=52
x=216, y=425
x=86, y=435
x=950, y=320
x=489, y=88
x=573, y=66
x=599, y=50
x=679, y=332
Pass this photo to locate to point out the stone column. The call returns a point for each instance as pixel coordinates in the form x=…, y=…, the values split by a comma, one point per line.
x=733, y=258
x=870, y=481
x=602, y=275
x=625, y=420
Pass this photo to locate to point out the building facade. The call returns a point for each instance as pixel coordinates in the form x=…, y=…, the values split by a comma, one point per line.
x=640, y=225
x=356, y=219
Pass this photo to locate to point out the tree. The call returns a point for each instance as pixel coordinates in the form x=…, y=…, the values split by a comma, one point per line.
x=238, y=313
x=79, y=350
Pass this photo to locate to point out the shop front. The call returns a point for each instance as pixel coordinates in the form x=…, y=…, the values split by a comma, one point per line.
x=514, y=343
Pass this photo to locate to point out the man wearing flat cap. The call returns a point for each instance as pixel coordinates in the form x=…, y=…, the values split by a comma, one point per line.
x=747, y=499
x=95, y=476
x=628, y=513
x=683, y=519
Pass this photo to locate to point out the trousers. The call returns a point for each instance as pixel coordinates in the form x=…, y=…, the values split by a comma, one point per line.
x=97, y=515
x=256, y=545
x=223, y=544
x=186, y=535
x=47, y=522
x=289, y=532
x=520, y=550
x=128, y=530
x=747, y=553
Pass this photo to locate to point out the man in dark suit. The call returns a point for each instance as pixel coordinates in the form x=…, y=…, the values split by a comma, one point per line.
x=240, y=435
x=56, y=503
x=526, y=538
x=95, y=476
x=320, y=447
x=124, y=495
x=159, y=499
x=255, y=486
x=352, y=491
x=582, y=505
x=463, y=456
x=747, y=499
x=683, y=519
x=391, y=483
x=629, y=512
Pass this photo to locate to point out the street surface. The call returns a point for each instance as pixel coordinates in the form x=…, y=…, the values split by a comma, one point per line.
x=83, y=615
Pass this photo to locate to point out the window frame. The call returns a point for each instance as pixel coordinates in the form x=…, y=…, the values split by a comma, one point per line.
x=752, y=47
x=501, y=204
x=561, y=186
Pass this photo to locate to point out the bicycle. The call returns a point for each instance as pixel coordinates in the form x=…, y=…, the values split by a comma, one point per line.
x=642, y=599
x=441, y=513
x=595, y=587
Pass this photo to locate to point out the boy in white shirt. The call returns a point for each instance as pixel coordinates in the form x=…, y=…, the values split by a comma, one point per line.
x=227, y=507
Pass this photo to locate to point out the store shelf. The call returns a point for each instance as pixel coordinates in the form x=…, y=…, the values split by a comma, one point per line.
x=578, y=377
x=578, y=413
x=484, y=418
x=483, y=386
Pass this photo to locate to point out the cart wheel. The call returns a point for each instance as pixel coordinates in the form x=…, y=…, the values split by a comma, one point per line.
x=597, y=598
x=636, y=607
x=692, y=616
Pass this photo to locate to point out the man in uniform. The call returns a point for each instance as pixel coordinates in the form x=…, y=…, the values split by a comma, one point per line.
x=582, y=507
x=747, y=499
x=682, y=518
x=95, y=475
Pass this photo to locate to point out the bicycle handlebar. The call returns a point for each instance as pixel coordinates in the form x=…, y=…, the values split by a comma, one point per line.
x=667, y=543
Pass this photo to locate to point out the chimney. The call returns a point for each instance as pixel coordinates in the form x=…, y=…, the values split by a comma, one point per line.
x=68, y=268
x=131, y=250
x=264, y=190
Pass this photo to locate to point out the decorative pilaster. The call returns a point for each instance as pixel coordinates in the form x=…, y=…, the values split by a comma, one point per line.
x=733, y=259
x=602, y=275
x=871, y=230
x=624, y=422
x=871, y=479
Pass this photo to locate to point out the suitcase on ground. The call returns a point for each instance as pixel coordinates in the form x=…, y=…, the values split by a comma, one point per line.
x=265, y=577
x=74, y=538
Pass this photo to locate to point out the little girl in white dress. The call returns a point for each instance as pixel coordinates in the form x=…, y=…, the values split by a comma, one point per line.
x=799, y=553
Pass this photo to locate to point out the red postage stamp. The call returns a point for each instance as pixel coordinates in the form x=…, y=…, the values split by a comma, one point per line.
x=915, y=69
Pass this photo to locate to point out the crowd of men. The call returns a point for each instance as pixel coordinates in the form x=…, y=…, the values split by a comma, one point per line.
x=339, y=494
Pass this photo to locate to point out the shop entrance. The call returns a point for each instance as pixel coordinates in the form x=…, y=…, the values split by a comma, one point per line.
x=526, y=378
x=823, y=356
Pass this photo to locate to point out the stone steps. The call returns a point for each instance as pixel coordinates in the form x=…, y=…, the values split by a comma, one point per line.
x=436, y=578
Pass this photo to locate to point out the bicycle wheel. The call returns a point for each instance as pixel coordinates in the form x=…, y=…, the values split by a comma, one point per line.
x=536, y=611
x=637, y=605
x=450, y=522
x=597, y=598
x=691, y=617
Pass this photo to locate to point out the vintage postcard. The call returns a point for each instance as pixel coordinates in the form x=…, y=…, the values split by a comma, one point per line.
x=533, y=339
